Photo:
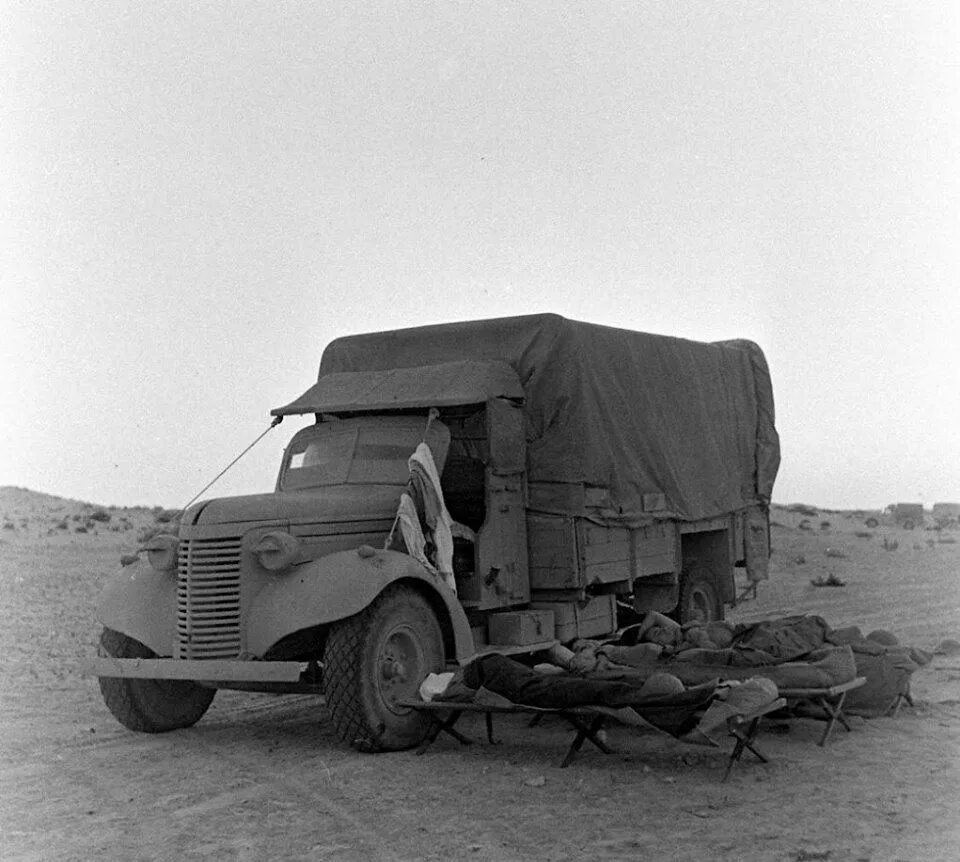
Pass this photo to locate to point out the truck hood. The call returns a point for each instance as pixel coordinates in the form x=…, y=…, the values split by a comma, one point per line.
x=330, y=504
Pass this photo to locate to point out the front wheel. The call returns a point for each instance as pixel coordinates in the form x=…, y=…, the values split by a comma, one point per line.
x=699, y=598
x=149, y=705
x=376, y=659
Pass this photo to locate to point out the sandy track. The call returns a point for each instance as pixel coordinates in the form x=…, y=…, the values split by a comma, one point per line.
x=264, y=777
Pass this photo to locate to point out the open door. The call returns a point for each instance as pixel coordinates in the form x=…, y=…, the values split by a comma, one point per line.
x=500, y=577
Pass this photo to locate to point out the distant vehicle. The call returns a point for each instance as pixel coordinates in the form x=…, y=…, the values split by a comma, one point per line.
x=946, y=514
x=907, y=516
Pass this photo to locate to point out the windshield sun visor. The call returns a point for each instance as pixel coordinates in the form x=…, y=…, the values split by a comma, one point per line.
x=444, y=385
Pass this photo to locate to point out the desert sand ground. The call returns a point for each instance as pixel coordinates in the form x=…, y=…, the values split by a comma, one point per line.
x=263, y=777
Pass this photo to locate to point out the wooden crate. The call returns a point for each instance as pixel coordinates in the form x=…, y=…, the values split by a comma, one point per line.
x=520, y=627
x=479, y=633
x=596, y=616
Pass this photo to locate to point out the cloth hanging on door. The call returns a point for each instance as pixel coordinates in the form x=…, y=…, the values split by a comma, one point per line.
x=411, y=531
x=426, y=484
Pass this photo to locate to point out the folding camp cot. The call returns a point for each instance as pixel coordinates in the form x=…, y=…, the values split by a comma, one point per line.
x=588, y=721
x=827, y=703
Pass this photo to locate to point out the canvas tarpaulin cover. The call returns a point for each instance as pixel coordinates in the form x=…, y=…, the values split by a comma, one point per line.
x=443, y=385
x=647, y=426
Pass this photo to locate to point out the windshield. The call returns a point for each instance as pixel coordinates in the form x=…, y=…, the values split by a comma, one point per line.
x=355, y=452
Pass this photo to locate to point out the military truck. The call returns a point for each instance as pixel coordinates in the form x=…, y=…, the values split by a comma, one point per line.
x=946, y=515
x=907, y=516
x=581, y=469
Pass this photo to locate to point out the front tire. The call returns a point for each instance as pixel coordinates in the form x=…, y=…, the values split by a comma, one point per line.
x=149, y=705
x=699, y=598
x=377, y=658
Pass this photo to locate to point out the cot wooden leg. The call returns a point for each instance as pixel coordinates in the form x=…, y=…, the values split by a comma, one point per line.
x=584, y=732
x=444, y=726
x=834, y=712
x=902, y=698
x=490, y=739
x=745, y=739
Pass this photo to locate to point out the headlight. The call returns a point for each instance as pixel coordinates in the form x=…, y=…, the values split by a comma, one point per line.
x=162, y=552
x=277, y=551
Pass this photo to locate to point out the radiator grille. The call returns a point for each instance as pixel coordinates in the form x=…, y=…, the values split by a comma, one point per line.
x=208, y=598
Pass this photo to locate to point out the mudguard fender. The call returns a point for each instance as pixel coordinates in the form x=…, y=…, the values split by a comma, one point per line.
x=141, y=603
x=342, y=584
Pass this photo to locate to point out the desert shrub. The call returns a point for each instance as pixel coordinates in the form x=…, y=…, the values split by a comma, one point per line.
x=166, y=515
x=890, y=544
x=863, y=534
x=101, y=515
x=831, y=581
x=802, y=509
x=800, y=559
x=837, y=555
x=804, y=525
x=824, y=525
x=80, y=529
x=63, y=525
x=9, y=525
x=947, y=540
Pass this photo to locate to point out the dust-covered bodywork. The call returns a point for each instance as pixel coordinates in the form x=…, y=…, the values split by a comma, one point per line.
x=495, y=484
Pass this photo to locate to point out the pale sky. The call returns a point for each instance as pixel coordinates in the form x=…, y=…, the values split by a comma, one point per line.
x=196, y=198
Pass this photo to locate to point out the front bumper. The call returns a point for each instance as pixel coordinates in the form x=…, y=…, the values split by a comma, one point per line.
x=219, y=670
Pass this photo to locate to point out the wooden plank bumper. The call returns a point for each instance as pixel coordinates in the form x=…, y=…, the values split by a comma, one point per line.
x=211, y=670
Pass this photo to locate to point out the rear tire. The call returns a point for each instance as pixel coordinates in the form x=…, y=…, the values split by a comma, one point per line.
x=377, y=658
x=699, y=598
x=149, y=705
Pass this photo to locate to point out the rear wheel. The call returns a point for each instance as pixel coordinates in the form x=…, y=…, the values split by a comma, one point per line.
x=149, y=705
x=376, y=659
x=699, y=598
